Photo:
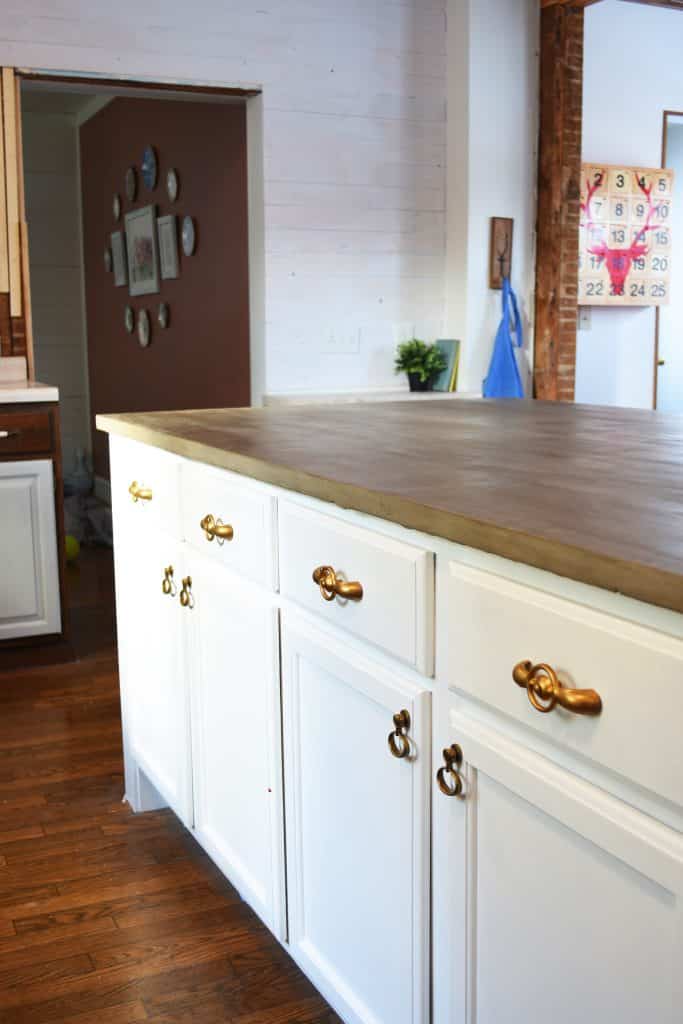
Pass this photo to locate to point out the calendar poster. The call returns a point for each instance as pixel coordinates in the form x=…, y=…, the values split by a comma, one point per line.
x=625, y=236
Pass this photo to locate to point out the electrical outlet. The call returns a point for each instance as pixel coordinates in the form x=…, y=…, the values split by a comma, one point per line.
x=584, y=318
x=344, y=342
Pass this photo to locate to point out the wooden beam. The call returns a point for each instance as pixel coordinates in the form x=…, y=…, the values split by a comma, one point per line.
x=559, y=173
x=575, y=3
x=675, y=5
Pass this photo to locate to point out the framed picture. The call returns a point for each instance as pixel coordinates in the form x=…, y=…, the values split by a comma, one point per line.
x=118, y=253
x=168, y=247
x=143, y=251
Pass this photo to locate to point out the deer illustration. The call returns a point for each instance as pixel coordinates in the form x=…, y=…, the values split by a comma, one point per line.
x=619, y=261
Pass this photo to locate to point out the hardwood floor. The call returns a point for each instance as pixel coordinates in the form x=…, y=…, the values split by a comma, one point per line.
x=107, y=917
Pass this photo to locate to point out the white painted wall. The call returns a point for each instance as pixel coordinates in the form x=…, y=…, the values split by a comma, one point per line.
x=354, y=153
x=354, y=157
x=53, y=213
x=492, y=166
x=632, y=73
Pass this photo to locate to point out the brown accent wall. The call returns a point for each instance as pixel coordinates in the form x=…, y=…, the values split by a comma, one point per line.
x=202, y=359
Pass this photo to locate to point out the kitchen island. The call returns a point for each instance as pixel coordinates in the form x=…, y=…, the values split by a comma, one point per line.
x=412, y=676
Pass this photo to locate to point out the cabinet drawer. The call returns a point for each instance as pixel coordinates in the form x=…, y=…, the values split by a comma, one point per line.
x=25, y=433
x=230, y=502
x=395, y=610
x=493, y=624
x=145, y=486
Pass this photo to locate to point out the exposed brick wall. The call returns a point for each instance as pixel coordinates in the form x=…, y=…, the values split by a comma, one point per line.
x=558, y=201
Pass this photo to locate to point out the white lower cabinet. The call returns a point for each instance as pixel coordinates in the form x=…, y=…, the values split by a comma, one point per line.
x=553, y=901
x=357, y=828
x=269, y=729
x=152, y=664
x=29, y=573
x=236, y=734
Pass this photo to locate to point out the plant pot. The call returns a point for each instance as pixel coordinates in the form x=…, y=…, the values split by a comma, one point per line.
x=416, y=384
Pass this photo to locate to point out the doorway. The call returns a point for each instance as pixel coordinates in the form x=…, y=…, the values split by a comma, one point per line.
x=668, y=371
x=182, y=340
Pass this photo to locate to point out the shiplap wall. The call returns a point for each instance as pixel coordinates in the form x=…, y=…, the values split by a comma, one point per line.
x=53, y=214
x=354, y=153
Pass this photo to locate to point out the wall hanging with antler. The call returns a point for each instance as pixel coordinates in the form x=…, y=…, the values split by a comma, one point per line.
x=625, y=236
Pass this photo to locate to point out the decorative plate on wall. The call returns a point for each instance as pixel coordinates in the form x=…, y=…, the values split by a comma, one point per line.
x=116, y=206
x=143, y=328
x=131, y=184
x=163, y=315
x=149, y=167
x=129, y=319
x=188, y=236
x=172, y=184
x=107, y=260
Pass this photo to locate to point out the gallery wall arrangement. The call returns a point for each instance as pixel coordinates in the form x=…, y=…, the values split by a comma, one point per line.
x=145, y=253
x=164, y=194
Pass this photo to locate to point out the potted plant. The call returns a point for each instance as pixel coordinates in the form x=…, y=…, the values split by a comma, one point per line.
x=421, y=362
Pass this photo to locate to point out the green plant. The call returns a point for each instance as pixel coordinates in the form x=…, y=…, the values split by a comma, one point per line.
x=417, y=357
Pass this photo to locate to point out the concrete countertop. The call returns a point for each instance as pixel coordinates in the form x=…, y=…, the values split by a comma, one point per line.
x=594, y=494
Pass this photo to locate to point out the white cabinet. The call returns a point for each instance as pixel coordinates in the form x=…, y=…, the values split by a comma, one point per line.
x=152, y=664
x=357, y=829
x=236, y=734
x=553, y=901
x=29, y=584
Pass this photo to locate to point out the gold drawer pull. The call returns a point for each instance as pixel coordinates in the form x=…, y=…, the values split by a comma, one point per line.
x=139, y=493
x=186, y=597
x=544, y=690
x=452, y=760
x=399, y=744
x=216, y=528
x=331, y=586
x=168, y=586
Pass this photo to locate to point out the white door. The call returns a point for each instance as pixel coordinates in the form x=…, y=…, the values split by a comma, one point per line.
x=357, y=828
x=236, y=734
x=29, y=573
x=669, y=369
x=552, y=900
x=152, y=626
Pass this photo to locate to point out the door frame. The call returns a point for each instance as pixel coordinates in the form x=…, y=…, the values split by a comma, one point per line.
x=177, y=88
x=666, y=114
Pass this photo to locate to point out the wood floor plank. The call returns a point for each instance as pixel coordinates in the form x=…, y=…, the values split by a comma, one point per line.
x=107, y=917
x=124, y=1013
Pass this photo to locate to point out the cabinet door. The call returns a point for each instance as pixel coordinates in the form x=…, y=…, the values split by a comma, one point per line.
x=357, y=829
x=29, y=581
x=553, y=901
x=152, y=651
x=236, y=735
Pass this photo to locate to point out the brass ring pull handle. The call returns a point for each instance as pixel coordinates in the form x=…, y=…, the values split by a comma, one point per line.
x=331, y=586
x=139, y=493
x=168, y=586
x=452, y=760
x=216, y=528
x=545, y=691
x=399, y=744
x=186, y=598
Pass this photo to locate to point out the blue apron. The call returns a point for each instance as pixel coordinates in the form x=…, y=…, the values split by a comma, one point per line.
x=503, y=380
